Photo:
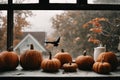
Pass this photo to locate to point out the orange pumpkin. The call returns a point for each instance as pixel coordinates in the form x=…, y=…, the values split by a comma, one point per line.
x=63, y=56
x=70, y=67
x=10, y=58
x=31, y=59
x=102, y=67
x=109, y=57
x=51, y=64
x=85, y=62
x=1, y=63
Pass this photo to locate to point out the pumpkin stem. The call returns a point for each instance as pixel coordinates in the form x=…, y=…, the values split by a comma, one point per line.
x=31, y=46
x=84, y=52
x=10, y=48
x=50, y=57
x=102, y=59
x=62, y=50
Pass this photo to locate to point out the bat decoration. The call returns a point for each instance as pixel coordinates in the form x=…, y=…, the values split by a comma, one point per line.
x=55, y=43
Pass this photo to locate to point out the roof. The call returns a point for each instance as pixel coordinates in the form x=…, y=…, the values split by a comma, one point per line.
x=40, y=36
x=29, y=39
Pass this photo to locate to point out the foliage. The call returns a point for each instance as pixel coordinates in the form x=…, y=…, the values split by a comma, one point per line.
x=20, y=21
x=102, y=31
x=74, y=38
x=68, y=26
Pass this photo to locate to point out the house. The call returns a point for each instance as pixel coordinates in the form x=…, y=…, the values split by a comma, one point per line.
x=31, y=38
x=38, y=35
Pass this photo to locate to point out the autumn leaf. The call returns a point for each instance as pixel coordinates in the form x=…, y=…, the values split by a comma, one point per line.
x=93, y=40
x=96, y=30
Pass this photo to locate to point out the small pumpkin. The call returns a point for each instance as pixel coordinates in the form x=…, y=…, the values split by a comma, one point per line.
x=102, y=67
x=70, y=67
x=84, y=62
x=10, y=58
x=109, y=57
x=31, y=59
x=63, y=56
x=51, y=64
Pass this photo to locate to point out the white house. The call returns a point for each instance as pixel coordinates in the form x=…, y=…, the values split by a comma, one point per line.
x=25, y=42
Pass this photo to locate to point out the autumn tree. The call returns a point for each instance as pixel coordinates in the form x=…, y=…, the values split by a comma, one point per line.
x=2, y=31
x=20, y=21
x=69, y=24
x=107, y=36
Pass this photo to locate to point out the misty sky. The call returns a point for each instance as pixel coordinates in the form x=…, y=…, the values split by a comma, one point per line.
x=41, y=21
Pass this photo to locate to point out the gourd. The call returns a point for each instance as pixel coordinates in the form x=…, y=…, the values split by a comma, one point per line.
x=70, y=67
x=84, y=62
x=51, y=64
x=109, y=57
x=63, y=56
x=10, y=58
x=102, y=67
x=31, y=59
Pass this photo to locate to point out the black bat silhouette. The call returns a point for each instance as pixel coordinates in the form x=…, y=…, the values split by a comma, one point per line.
x=55, y=43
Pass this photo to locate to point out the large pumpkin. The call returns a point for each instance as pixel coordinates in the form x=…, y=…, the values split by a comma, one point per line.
x=85, y=62
x=10, y=58
x=51, y=64
x=63, y=56
x=70, y=67
x=102, y=67
x=1, y=63
x=31, y=59
x=109, y=57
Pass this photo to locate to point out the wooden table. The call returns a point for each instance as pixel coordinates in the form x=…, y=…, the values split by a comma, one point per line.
x=20, y=74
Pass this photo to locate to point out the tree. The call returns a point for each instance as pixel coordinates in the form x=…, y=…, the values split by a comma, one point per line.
x=3, y=32
x=69, y=26
x=20, y=21
x=106, y=35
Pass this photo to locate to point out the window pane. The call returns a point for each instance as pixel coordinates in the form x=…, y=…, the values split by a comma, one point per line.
x=3, y=30
x=63, y=1
x=25, y=1
x=104, y=1
x=3, y=1
x=76, y=29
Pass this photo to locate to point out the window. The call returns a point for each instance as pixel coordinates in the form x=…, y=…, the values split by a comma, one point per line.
x=70, y=25
x=82, y=25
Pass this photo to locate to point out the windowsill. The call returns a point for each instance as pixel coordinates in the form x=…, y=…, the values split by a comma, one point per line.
x=18, y=73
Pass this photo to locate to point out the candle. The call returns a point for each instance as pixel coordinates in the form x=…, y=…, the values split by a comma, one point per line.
x=97, y=51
